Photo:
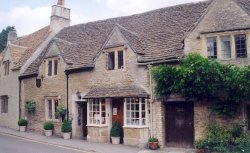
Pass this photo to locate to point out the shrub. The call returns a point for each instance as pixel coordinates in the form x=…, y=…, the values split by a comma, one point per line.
x=48, y=125
x=66, y=126
x=60, y=110
x=22, y=122
x=30, y=106
x=115, y=130
x=152, y=139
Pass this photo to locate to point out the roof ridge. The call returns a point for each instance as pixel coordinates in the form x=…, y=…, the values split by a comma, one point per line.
x=18, y=46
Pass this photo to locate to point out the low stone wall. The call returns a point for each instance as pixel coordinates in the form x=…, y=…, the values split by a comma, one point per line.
x=136, y=136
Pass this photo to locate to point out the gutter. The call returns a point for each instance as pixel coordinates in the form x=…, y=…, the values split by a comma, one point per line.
x=19, y=105
x=160, y=62
x=67, y=86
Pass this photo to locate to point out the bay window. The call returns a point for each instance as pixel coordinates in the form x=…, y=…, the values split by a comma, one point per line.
x=135, y=112
x=97, y=112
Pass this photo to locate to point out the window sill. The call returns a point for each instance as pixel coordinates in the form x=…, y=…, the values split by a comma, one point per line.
x=135, y=127
x=89, y=125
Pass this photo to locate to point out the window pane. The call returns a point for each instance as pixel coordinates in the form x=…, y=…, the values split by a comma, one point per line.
x=50, y=68
x=212, y=47
x=225, y=47
x=241, y=46
x=55, y=67
x=111, y=61
x=4, y=104
x=120, y=60
x=50, y=109
x=56, y=104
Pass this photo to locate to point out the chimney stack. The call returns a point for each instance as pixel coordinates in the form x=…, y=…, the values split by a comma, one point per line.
x=60, y=16
x=12, y=36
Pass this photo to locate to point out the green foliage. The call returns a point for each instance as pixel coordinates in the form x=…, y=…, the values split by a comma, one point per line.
x=49, y=125
x=116, y=130
x=60, y=110
x=199, y=78
x=4, y=37
x=30, y=106
x=224, y=140
x=66, y=126
x=224, y=109
x=22, y=122
x=152, y=139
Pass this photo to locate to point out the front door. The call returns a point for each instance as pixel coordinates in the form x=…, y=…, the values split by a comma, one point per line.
x=180, y=124
x=84, y=121
x=117, y=113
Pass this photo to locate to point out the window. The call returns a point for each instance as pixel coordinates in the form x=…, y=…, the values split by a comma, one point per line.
x=51, y=105
x=212, y=47
x=225, y=47
x=111, y=61
x=4, y=104
x=241, y=46
x=120, y=59
x=136, y=112
x=6, y=67
x=52, y=67
x=97, y=112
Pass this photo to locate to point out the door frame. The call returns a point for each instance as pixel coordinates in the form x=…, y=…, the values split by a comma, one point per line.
x=166, y=122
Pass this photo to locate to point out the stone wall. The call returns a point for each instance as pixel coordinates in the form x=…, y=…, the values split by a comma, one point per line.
x=50, y=87
x=98, y=134
x=136, y=136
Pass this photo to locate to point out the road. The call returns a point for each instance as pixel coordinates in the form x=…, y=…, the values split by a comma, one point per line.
x=11, y=144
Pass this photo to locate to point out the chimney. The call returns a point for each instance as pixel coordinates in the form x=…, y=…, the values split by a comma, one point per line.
x=12, y=36
x=60, y=16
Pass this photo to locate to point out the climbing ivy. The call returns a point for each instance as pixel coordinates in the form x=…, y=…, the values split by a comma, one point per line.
x=200, y=78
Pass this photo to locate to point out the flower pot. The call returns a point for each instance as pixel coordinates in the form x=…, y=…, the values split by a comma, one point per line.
x=22, y=128
x=115, y=140
x=48, y=133
x=153, y=145
x=200, y=151
x=66, y=136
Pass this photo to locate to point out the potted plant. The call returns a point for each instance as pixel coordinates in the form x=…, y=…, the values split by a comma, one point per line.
x=48, y=128
x=115, y=133
x=22, y=123
x=66, y=129
x=153, y=143
x=200, y=146
x=61, y=112
x=30, y=106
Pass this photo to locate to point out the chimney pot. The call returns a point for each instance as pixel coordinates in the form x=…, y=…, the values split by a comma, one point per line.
x=61, y=2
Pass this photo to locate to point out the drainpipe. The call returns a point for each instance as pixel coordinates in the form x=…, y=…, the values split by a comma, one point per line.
x=151, y=99
x=19, y=105
x=67, y=78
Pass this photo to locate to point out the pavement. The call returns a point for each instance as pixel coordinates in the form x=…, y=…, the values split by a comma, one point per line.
x=83, y=145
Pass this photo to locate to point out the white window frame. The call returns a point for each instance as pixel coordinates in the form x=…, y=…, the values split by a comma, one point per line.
x=100, y=112
x=53, y=99
x=52, y=68
x=140, y=113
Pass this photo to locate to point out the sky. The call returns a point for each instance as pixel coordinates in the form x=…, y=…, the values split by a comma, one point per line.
x=30, y=15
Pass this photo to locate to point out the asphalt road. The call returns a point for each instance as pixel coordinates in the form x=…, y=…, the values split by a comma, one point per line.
x=10, y=144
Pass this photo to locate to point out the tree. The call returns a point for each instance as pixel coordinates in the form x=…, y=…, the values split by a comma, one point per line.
x=4, y=36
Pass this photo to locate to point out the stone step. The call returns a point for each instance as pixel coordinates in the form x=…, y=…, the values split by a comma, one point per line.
x=169, y=150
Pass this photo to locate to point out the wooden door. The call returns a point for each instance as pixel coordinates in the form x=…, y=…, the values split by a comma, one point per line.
x=117, y=113
x=180, y=124
x=84, y=120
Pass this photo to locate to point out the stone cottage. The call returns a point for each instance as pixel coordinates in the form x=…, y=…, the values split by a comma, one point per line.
x=100, y=72
x=15, y=59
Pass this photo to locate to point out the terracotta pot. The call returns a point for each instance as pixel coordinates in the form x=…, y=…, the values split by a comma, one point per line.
x=67, y=136
x=200, y=151
x=115, y=140
x=22, y=128
x=48, y=133
x=153, y=145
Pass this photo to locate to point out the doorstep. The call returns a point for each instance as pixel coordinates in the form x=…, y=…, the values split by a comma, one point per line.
x=169, y=150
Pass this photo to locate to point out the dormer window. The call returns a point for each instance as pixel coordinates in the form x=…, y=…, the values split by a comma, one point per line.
x=52, y=67
x=241, y=46
x=115, y=60
x=6, y=67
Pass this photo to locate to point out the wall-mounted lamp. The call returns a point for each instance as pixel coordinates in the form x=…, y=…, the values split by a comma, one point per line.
x=78, y=94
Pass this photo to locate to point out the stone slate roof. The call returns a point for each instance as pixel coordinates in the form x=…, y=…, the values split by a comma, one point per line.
x=116, y=91
x=22, y=49
x=245, y=4
x=155, y=36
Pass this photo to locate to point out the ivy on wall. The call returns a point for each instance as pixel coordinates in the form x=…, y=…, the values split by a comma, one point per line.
x=198, y=78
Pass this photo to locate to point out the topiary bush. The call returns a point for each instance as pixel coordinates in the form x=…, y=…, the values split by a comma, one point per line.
x=22, y=122
x=116, y=130
x=49, y=125
x=66, y=126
